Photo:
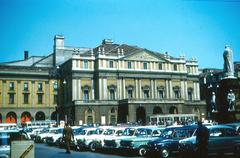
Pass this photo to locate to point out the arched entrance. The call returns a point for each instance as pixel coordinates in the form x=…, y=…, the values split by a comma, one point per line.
x=157, y=110
x=54, y=116
x=40, y=116
x=11, y=117
x=141, y=115
x=173, y=110
x=25, y=117
x=0, y=118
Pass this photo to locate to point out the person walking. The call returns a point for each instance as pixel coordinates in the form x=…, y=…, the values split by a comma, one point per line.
x=202, y=136
x=67, y=136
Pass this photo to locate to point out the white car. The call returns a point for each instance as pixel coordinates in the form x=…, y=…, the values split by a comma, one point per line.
x=41, y=137
x=79, y=140
x=54, y=136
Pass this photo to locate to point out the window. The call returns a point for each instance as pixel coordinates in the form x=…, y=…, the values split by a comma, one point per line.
x=85, y=62
x=113, y=119
x=161, y=94
x=40, y=87
x=11, y=86
x=160, y=66
x=111, y=64
x=25, y=98
x=145, y=65
x=146, y=94
x=11, y=98
x=25, y=86
x=55, y=98
x=129, y=65
x=190, y=95
x=175, y=67
x=130, y=93
x=86, y=95
x=55, y=86
x=112, y=94
x=40, y=98
x=176, y=93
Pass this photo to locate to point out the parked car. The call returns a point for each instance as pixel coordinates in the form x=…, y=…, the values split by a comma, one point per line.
x=52, y=137
x=167, y=144
x=79, y=140
x=139, y=143
x=6, y=136
x=129, y=132
x=41, y=136
x=222, y=140
x=235, y=125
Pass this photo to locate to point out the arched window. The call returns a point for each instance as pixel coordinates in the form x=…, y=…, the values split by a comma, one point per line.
x=161, y=92
x=26, y=117
x=89, y=116
x=0, y=118
x=146, y=92
x=112, y=92
x=129, y=89
x=11, y=117
x=190, y=94
x=176, y=92
x=86, y=90
x=157, y=110
x=173, y=110
x=40, y=116
x=112, y=114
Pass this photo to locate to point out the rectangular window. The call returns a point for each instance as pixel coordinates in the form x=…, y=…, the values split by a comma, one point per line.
x=111, y=64
x=146, y=94
x=85, y=66
x=40, y=98
x=40, y=87
x=190, y=95
x=177, y=94
x=112, y=94
x=86, y=95
x=175, y=67
x=55, y=98
x=161, y=94
x=160, y=66
x=11, y=86
x=145, y=65
x=130, y=93
x=11, y=98
x=129, y=65
x=25, y=86
x=25, y=97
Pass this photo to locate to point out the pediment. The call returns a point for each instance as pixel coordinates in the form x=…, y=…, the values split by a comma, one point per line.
x=144, y=56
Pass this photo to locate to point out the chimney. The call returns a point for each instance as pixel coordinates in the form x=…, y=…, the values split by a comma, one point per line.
x=59, y=41
x=107, y=41
x=25, y=55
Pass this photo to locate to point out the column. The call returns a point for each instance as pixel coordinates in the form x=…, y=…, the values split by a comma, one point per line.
x=167, y=90
x=4, y=92
x=47, y=94
x=136, y=89
x=182, y=90
x=19, y=94
x=124, y=89
x=79, y=89
x=194, y=91
x=118, y=89
x=155, y=89
x=170, y=89
x=152, y=89
x=100, y=89
x=93, y=89
x=140, y=88
x=74, y=89
x=105, y=91
x=198, y=91
x=33, y=92
x=186, y=90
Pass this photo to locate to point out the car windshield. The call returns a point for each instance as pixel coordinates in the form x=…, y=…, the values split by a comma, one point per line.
x=77, y=131
x=82, y=132
x=98, y=131
x=167, y=133
x=53, y=131
x=129, y=132
x=109, y=132
x=45, y=130
x=143, y=132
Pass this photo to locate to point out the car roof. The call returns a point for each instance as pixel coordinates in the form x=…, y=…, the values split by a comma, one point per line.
x=220, y=126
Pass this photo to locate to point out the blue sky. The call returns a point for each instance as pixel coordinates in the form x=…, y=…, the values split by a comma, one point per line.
x=194, y=28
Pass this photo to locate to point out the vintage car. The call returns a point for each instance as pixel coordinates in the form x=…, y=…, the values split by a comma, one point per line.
x=53, y=136
x=79, y=140
x=139, y=143
x=167, y=144
x=223, y=140
x=6, y=136
x=130, y=132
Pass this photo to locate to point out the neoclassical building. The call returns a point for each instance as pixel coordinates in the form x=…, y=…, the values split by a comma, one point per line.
x=107, y=84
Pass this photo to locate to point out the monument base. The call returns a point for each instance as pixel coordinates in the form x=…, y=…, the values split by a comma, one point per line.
x=224, y=115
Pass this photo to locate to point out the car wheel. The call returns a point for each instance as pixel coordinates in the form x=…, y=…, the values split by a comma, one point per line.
x=164, y=152
x=92, y=146
x=142, y=151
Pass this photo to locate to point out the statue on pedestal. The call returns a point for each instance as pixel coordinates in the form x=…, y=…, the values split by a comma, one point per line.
x=228, y=62
x=213, y=102
x=231, y=101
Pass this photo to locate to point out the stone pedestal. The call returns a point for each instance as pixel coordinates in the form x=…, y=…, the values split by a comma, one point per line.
x=223, y=115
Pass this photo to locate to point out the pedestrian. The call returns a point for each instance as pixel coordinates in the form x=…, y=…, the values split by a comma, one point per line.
x=67, y=136
x=202, y=136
